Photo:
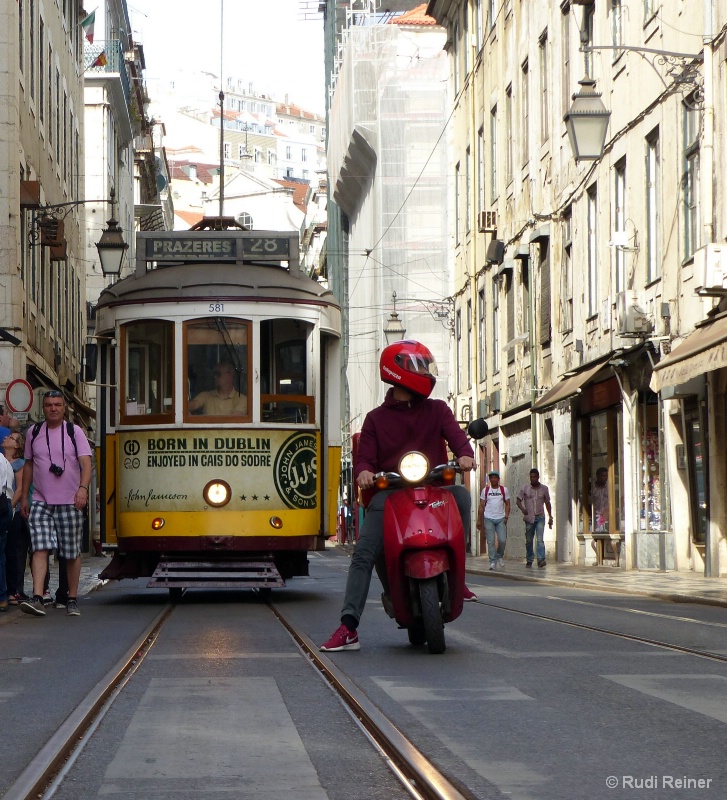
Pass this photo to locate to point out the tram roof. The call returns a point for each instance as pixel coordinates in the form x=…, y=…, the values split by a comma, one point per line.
x=232, y=281
x=202, y=264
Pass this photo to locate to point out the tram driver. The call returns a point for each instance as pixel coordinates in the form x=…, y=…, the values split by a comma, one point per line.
x=224, y=399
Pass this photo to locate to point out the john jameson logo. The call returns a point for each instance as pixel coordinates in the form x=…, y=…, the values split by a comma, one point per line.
x=296, y=470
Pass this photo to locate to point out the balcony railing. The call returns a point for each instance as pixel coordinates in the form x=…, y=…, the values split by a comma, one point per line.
x=114, y=58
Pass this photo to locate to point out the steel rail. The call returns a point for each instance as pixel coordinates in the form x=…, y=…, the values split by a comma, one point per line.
x=417, y=774
x=50, y=760
x=619, y=634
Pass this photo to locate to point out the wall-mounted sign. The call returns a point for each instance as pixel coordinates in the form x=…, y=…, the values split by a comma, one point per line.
x=19, y=396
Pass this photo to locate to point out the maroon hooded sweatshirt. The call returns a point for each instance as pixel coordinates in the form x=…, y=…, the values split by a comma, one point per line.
x=397, y=427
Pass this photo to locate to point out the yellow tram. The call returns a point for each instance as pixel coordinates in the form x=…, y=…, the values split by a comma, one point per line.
x=219, y=411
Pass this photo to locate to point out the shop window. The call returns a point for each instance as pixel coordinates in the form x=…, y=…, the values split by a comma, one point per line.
x=148, y=370
x=651, y=500
x=698, y=484
x=599, y=466
x=217, y=369
x=286, y=394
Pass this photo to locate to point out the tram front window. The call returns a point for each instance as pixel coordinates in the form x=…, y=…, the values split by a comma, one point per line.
x=148, y=369
x=285, y=396
x=217, y=368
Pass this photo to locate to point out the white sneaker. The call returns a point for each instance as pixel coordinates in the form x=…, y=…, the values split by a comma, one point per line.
x=501, y=563
x=492, y=566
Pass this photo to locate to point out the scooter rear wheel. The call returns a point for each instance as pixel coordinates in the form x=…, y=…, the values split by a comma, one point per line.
x=432, y=616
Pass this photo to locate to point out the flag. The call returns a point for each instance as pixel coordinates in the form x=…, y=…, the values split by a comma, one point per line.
x=87, y=25
x=101, y=60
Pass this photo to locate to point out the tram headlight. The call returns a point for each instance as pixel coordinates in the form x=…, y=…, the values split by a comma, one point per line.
x=217, y=493
x=413, y=467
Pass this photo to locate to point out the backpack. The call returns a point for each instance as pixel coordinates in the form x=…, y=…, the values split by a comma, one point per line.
x=70, y=429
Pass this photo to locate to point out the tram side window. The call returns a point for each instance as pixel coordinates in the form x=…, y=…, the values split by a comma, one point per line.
x=285, y=395
x=218, y=368
x=148, y=368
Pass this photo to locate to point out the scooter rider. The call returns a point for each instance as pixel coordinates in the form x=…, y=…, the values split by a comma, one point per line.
x=407, y=420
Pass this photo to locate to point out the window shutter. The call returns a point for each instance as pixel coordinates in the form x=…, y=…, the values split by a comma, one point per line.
x=544, y=293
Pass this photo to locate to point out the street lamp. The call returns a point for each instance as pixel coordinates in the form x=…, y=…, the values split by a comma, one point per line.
x=47, y=227
x=587, y=122
x=394, y=329
x=111, y=248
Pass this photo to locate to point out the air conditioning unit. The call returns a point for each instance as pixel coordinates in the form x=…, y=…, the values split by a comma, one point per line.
x=710, y=270
x=632, y=319
x=487, y=222
x=495, y=402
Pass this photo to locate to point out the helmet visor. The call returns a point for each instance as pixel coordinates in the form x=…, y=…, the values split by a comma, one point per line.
x=417, y=363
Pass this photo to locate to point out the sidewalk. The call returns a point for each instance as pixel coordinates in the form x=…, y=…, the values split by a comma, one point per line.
x=88, y=581
x=680, y=587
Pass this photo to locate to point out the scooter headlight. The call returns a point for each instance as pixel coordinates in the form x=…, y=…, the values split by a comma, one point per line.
x=413, y=467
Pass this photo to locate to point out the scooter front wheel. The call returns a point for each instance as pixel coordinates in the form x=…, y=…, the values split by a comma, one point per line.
x=417, y=635
x=432, y=616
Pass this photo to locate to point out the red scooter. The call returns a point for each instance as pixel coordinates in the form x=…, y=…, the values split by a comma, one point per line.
x=424, y=546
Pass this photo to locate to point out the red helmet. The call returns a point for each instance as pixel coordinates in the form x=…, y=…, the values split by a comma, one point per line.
x=409, y=365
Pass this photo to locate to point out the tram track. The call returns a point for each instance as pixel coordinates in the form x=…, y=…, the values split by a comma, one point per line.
x=47, y=770
x=420, y=778
x=693, y=651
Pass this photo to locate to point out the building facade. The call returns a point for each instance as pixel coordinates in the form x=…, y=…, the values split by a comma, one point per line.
x=43, y=251
x=594, y=349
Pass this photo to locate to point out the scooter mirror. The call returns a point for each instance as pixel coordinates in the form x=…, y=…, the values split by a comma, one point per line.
x=478, y=428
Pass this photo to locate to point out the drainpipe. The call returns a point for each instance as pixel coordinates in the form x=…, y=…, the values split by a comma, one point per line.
x=706, y=156
x=533, y=365
x=706, y=151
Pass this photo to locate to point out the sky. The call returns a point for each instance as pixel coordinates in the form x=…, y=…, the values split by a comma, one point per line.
x=266, y=42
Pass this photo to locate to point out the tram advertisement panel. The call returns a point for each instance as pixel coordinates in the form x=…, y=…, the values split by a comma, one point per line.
x=265, y=469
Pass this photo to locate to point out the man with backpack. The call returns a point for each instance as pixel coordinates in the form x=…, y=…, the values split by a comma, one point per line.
x=58, y=464
x=493, y=513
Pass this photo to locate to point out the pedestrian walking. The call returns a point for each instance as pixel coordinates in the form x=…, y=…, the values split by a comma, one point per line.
x=493, y=514
x=58, y=465
x=6, y=515
x=17, y=546
x=533, y=500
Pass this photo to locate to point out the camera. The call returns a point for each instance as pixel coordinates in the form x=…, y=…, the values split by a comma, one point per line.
x=56, y=470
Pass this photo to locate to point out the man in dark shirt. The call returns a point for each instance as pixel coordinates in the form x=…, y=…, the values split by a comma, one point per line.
x=406, y=420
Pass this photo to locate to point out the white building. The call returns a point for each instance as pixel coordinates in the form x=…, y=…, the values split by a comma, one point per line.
x=387, y=164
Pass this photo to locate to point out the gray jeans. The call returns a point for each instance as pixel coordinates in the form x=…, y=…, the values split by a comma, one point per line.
x=370, y=547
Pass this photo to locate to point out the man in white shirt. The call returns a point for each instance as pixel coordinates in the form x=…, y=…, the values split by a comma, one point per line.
x=493, y=514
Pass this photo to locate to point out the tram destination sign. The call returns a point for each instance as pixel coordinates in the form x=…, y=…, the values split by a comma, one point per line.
x=214, y=246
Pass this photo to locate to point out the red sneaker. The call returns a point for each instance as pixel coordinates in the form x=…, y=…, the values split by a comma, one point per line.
x=469, y=595
x=342, y=639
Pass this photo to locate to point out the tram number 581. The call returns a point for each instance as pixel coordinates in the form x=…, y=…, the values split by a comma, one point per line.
x=217, y=308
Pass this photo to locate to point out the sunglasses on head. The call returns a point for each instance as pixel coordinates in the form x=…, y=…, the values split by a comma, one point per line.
x=53, y=393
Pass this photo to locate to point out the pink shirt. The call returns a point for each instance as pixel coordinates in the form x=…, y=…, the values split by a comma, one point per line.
x=53, y=489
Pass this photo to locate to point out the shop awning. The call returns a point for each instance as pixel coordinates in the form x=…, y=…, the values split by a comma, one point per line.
x=702, y=351
x=567, y=387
